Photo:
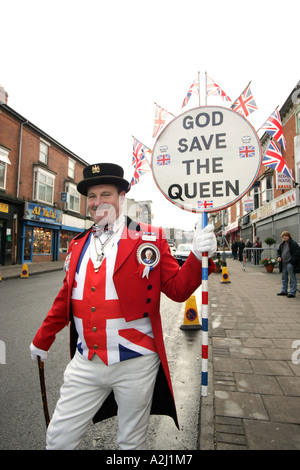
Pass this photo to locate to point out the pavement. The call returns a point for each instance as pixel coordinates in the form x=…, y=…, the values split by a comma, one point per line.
x=14, y=271
x=253, y=400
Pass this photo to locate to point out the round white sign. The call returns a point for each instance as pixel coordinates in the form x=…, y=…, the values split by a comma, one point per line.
x=206, y=159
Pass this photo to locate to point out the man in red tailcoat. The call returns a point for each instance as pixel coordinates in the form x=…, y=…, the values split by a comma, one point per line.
x=115, y=273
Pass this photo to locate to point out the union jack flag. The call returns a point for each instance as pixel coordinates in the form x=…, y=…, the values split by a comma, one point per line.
x=274, y=159
x=116, y=339
x=245, y=104
x=205, y=204
x=212, y=88
x=247, y=151
x=273, y=127
x=161, y=115
x=194, y=88
x=139, y=161
x=164, y=159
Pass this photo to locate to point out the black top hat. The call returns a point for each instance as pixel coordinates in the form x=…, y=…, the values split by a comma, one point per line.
x=102, y=173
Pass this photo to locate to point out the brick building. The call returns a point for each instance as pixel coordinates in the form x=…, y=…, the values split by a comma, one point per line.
x=40, y=208
x=275, y=200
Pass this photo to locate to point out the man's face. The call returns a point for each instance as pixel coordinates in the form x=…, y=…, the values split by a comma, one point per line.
x=104, y=203
x=285, y=238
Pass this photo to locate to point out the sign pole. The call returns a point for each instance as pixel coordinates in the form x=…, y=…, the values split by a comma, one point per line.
x=204, y=316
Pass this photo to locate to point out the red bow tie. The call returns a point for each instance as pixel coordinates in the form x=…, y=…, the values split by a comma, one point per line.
x=98, y=231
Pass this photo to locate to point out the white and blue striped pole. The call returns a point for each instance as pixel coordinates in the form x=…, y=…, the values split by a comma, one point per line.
x=204, y=316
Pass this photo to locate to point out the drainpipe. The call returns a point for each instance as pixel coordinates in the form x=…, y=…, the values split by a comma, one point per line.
x=20, y=155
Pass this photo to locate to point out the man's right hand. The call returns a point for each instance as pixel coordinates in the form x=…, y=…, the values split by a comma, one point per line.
x=35, y=352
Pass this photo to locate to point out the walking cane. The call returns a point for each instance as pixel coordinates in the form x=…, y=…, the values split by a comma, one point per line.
x=43, y=390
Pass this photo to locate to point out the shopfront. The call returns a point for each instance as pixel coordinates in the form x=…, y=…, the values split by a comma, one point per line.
x=282, y=213
x=11, y=212
x=41, y=233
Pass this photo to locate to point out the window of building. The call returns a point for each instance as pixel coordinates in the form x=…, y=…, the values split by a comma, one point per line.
x=298, y=122
x=43, y=186
x=4, y=160
x=256, y=197
x=238, y=209
x=255, y=194
x=298, y=173
x=71, y=169
x=267, y=189
x=229, y=215
x=2, y=175
x=44, y=150
x=73, y=197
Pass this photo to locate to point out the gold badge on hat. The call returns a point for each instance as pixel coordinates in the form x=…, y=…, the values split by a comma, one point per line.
x=95, y=169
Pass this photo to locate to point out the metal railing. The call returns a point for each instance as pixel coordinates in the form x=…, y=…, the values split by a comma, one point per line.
x=252, y=257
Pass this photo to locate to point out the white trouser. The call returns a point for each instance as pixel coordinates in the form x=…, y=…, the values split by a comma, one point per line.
x=88, y=383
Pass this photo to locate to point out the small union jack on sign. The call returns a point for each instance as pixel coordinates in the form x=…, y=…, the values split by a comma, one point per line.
x=205, y=204
x=247, y=151
x=164, y=159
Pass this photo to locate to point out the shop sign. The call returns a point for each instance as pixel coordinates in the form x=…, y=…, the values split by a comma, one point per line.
x=248, y=204
x=282, y=203
x=206, y=159
x=283, y=181
x=40, y=213
x=4, y=207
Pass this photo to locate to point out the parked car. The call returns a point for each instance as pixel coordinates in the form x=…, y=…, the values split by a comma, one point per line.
x=183, y=252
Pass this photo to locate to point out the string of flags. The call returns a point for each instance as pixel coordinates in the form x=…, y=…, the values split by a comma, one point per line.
x=245, y=105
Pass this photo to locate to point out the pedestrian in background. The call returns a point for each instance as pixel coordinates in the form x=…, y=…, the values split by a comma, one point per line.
x=257, y=250
x=234, y=249
x=289, y=263
x=241, y=246
x=248, y=252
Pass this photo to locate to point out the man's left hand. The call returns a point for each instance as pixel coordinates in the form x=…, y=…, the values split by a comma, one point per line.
x=204, y=240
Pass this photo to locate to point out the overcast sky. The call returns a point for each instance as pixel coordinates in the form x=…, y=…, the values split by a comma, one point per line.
x=88, y=73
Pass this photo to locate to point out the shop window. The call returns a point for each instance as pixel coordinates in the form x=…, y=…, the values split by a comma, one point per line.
x=73, y=197
x=38, y=241
x=64, y=240
x=43, y=186
x=42, y=241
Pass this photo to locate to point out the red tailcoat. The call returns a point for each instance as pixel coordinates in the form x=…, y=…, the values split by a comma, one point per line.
x=139, y=297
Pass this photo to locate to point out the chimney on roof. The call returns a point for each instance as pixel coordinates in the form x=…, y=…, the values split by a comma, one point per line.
x=3, y=95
